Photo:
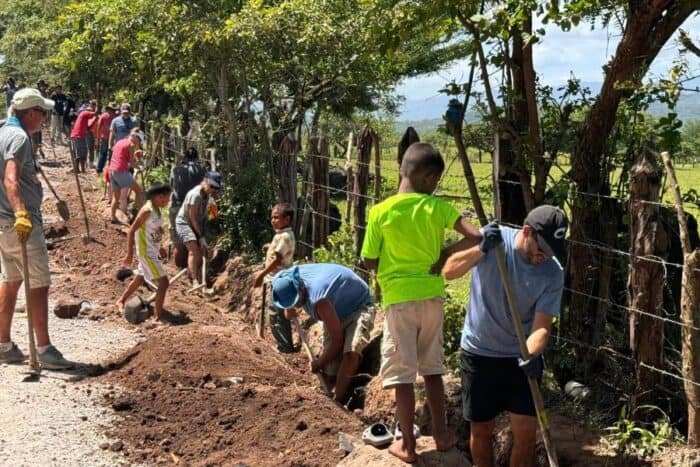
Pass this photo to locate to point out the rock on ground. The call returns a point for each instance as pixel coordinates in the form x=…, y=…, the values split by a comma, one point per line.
x=428, y=456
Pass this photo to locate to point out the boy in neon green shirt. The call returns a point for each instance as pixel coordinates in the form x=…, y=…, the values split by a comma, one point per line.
x=403, y=242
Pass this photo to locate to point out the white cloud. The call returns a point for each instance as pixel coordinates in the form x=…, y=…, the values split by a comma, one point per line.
x=581, y=50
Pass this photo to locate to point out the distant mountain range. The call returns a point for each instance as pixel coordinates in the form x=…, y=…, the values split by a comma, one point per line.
x=425, y=114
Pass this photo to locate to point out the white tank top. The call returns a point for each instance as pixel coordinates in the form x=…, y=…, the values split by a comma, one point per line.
x=150, y=234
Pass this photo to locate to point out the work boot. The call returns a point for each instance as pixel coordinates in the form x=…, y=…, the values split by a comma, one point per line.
x=52, y=359
x=14, y=355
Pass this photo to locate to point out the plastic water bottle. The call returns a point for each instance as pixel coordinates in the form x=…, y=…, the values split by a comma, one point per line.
x=576, y=390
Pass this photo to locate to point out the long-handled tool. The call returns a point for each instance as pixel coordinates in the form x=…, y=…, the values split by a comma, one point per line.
x=542, y=418
x=34, y=368
x=80, y=192
x=310, y=354
x=136, y=309
x=260, y=325
x=61, y=205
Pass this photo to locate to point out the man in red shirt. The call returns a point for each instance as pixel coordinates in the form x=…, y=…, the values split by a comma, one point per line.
x=103, y=125
x=78, y=137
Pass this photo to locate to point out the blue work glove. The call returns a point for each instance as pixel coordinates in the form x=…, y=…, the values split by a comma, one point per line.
x=532, y=367
x=491, y=236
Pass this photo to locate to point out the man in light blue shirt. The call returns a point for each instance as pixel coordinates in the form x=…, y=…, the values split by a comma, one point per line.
x=341, y=300
x=494, y=377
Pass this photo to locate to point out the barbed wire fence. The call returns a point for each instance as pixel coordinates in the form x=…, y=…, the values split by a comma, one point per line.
x=330, y=194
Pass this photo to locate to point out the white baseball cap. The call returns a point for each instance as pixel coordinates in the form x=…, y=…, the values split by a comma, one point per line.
x=27, y=98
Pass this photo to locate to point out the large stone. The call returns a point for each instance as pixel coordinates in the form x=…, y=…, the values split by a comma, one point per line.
x=428, y=456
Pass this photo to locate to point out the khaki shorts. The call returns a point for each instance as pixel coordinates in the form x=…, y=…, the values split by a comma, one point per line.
x=412, y=341
x=11, y=255
x=356, y=334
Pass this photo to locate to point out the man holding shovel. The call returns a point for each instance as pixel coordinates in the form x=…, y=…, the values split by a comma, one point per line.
x=494, y=376
x=20, y=227
x=342, y=301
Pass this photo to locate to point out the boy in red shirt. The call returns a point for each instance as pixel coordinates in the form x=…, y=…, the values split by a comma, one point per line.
x=78, y=137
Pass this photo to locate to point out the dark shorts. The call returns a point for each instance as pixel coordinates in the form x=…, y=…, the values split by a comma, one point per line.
x=491, y=386
x=79, y=148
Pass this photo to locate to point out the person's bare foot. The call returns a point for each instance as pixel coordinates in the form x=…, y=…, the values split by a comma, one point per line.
x=397, y=449
x=120, y=306
x=446, y=441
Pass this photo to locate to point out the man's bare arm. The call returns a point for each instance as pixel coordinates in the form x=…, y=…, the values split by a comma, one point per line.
x=11, y=183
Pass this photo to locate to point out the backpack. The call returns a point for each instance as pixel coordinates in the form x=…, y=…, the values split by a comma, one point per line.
x=184, y=178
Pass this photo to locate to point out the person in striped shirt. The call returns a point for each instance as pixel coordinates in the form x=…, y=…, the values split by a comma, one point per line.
x=146, y=233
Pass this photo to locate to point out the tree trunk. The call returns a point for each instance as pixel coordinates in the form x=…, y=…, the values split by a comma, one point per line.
x=649, y=26
x=646, y=279
x=232, y=143
x=287, y=191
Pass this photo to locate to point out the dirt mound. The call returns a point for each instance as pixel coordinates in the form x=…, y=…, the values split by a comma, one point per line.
x=212, y=395
x=234, y=287
x=429, y=456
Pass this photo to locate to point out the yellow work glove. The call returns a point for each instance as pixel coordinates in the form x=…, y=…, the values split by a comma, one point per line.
x=23, y=225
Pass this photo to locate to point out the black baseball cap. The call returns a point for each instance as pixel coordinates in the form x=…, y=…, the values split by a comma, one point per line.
x=550, y=224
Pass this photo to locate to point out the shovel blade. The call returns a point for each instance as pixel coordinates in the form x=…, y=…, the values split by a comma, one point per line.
x=63, y=211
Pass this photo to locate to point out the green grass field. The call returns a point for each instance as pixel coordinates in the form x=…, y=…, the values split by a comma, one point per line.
x=453, y=187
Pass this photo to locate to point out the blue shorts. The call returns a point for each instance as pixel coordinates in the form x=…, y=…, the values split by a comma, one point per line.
x=121, y=180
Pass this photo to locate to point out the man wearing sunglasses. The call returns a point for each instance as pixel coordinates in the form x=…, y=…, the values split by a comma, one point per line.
x=494, y=377
x=21, y=223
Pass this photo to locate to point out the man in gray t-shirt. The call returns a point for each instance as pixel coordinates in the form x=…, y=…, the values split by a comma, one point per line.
x=21, y=227
x=494, y=377
x=189, y=223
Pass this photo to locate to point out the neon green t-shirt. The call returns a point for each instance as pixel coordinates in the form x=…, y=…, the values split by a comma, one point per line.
x=406, y=233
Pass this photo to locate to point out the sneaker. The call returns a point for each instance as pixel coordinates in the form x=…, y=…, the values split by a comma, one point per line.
x=14, y=355
x=52, y=359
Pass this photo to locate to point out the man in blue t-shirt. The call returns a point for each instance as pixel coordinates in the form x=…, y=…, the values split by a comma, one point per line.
x=121, y=126
x=342, y=301
x=494, y=376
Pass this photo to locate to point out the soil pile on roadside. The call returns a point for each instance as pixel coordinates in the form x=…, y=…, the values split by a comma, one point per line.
x=211, y=395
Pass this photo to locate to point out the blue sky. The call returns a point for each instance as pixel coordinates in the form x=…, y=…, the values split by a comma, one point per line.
x=582, y=51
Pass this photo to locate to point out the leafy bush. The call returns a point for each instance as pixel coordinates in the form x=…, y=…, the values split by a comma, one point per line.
x=339, y=249
x=452, y=330
x=644, y=440
x=244, y=210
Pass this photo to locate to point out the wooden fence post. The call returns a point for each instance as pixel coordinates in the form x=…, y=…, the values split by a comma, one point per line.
x=409, y=137
x=364, y=156
x=377, y=167
x=350, y=184
x=646, y=278
x=690, y=313
x=320, y=198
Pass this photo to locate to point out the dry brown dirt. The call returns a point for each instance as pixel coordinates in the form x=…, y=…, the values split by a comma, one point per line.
x=206, y=390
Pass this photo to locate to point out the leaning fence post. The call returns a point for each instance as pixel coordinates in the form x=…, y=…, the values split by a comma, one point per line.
x=690, y=312
x=350, y=183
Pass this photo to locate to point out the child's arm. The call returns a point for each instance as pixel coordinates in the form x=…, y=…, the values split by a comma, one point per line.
x=270, y=267
x=471, y=237
x=138, y=222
